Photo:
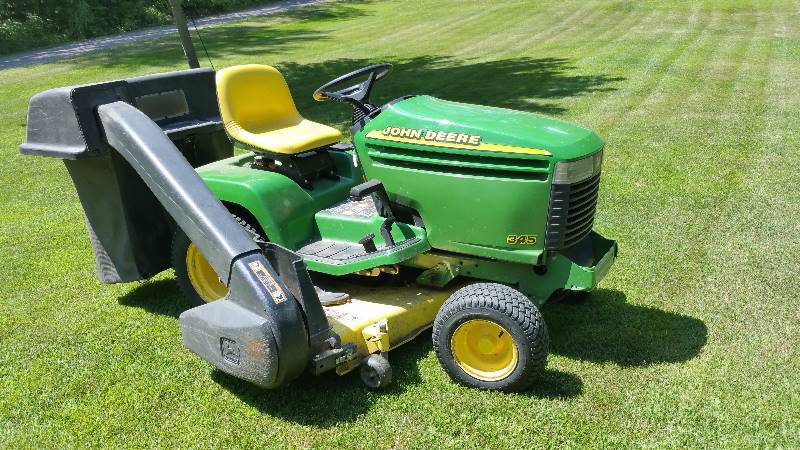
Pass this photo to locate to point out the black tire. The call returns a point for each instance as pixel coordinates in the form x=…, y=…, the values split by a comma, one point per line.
x=376, y=372
x=180, y=245
x=503, y=306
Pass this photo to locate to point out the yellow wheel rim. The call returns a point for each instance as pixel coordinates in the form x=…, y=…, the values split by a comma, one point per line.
x=203, y=278
x=484, y=350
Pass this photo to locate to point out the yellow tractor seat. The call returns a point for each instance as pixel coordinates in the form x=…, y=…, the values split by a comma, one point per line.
x=258, y=111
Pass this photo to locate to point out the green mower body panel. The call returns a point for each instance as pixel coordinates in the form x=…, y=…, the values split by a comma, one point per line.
x=479, y=177
x=558, y=272
x=564, y=140
x=481, y=181
x=291, y=216
x=284, y=210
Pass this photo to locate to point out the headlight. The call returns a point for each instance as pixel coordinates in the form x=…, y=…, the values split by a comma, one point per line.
x=570, y=172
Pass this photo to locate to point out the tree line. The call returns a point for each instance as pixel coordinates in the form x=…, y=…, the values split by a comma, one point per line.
x=29, y=24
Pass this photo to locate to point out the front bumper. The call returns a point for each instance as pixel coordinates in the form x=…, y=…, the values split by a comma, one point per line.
x=580, y=269
x=582, y=277
x=586, y=278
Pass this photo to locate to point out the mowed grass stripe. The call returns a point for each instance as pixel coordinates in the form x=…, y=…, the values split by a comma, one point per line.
x=729, y=260
x=524, y=29
x=596, y=57
x=651, y=67
x=693, y=60
x=746, y=105
x=748, y=112
x=557, y=30
x=508, y=43
x=416, y=29
x=595, y=34
x=681, y=179
x=610, y=113
x=668, y=96
x=639, y=178
x=713, y=165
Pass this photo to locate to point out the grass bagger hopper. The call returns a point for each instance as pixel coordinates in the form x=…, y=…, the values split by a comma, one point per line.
x=325, y=255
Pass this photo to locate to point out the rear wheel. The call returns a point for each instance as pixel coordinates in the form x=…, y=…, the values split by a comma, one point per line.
x=196, y=278
x=491, y=336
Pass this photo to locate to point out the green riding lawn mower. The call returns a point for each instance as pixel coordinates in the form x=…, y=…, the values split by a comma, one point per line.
x=302, y=252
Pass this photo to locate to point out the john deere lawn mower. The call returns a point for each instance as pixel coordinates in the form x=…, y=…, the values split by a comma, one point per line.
x=304, y=252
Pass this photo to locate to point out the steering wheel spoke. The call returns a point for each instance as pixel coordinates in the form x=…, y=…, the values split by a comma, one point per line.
x=352, y=91
x=357, y=94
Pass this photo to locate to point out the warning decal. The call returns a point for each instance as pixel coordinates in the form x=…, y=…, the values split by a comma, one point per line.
x=274, y=289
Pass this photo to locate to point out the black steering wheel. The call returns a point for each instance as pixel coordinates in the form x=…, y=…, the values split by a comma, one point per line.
x=357, y=94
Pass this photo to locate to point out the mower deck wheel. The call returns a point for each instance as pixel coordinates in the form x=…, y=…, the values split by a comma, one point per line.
x=195, y=276
x=491, y=336
x=376, y=372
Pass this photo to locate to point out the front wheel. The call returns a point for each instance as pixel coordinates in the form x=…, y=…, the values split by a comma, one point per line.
x=491, y=336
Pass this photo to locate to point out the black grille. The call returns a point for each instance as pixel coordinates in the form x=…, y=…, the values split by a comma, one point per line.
x=571, y=213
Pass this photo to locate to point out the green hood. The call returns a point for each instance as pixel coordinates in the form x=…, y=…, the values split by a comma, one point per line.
x=462, y=125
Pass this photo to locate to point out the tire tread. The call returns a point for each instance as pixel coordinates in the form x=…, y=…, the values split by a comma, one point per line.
x=508, y=302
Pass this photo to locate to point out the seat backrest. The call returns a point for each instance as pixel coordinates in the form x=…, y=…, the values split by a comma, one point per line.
x=255, y=98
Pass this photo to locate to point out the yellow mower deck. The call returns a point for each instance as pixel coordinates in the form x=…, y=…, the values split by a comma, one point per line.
x=379, y=320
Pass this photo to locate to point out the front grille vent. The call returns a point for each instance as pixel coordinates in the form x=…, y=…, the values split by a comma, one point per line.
x=494, y=165
x=571, y=213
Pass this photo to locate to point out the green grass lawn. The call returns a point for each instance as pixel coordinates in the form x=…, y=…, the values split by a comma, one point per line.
x=692, y=340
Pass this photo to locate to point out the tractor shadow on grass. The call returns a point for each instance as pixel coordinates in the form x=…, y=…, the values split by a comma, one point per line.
x=605, y=328
x=329, y=400
x=555, y=384
x=162, y=297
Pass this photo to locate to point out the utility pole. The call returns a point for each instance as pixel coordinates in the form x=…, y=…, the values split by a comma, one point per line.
x=183, y=31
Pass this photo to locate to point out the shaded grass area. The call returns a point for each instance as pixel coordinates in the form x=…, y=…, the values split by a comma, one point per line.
x=691, y=340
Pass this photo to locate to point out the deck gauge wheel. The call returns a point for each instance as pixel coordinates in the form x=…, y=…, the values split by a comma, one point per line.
x=376, y=372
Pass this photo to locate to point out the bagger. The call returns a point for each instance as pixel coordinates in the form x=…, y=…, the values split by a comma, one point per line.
x=303, y=252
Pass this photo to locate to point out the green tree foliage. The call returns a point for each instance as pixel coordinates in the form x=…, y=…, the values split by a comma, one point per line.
x=28, y=24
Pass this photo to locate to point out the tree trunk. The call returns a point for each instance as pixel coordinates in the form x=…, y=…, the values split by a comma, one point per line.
x=183, y=31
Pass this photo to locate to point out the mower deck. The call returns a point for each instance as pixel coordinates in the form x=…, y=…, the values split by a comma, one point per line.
x=383, y=319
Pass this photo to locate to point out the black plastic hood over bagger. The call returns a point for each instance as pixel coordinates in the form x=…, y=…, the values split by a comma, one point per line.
x=130, y=147
x=129, y=230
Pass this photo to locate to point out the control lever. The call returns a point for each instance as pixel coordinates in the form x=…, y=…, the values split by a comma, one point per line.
x=378, y=191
